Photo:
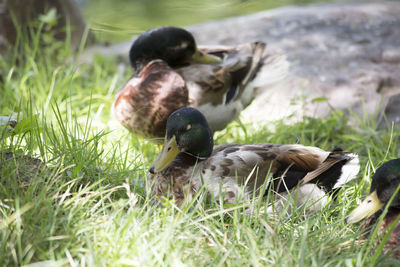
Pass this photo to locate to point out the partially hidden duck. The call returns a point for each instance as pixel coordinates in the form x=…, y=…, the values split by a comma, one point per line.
x=384, y=184
x=233, y=172
x=171, y=72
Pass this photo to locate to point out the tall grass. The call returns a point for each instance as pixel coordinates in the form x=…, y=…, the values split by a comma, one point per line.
x=89, y=206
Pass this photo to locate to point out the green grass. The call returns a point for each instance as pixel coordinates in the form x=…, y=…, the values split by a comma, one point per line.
x=89, y=207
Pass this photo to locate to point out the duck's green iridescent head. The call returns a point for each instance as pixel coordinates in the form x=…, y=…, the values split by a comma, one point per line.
x=188, y=132
x=384, y=184
x=173, y=45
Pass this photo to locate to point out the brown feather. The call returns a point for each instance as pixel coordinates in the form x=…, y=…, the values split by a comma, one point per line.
x=206, y=83
x=160, y=84
x=302, y=158
x=323, y=167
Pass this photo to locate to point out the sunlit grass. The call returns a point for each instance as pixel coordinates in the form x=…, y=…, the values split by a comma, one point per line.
x=89, y=206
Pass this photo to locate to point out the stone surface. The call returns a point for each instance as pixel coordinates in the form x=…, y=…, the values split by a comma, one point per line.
x=346, y=52
x=391, y=112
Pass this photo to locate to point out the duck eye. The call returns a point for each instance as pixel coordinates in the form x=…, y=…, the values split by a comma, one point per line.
x=184, y=45
x=369, y=201
x=168, y=149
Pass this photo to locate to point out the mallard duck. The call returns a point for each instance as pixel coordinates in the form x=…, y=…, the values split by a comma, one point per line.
x=171, y=72
x=384, y=184
x=188, y=159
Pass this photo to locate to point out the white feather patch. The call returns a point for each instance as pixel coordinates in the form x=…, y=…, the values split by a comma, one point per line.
x=310, y=195
x=220, y=115
x=349, y=171
x=274, y=70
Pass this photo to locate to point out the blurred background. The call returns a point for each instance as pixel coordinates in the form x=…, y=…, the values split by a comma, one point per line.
x=331, y=47
x=118, y=20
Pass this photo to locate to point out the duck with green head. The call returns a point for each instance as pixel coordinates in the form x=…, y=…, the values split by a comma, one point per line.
x=174, y=46
x=384, y=184
x=188, y=159
x=171, y=72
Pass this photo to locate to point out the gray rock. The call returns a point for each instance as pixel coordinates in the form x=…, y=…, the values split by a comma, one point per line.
x=392, y=113
x=348, y=53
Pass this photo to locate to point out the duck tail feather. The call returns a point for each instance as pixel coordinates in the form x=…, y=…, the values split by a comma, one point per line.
x=338, y=169
x=274, y=69
x=349, y=170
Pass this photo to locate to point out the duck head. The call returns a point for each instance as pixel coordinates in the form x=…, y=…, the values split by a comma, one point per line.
x=188, y=132
x=175, y=46
x=384, y=184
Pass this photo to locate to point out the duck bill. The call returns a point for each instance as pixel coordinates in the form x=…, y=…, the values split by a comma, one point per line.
x=168, y=153
x=367, y=208
x=203, y=58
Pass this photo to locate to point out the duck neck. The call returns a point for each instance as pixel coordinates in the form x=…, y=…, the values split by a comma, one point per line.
x=191, y=158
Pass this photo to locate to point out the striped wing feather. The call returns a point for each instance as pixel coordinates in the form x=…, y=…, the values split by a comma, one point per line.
x=219, y=84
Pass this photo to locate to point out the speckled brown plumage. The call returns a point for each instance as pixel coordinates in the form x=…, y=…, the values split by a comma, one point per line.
x=231, y=166
x=175, y=182
x=392, y=246
x=145, y=103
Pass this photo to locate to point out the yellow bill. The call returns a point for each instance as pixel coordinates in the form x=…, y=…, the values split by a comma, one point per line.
x=367, y=208
x=168, y=153
x=203, y=58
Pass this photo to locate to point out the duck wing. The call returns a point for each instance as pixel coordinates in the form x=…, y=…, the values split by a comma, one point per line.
x=222, y=91
x=285, y=166
x=238, y=161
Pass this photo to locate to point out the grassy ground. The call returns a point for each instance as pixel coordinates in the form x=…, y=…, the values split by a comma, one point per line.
x=88, y=207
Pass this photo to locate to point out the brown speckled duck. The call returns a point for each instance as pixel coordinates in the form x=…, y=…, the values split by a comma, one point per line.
x=384, y=184
x=171, y=72
x=188, y=159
